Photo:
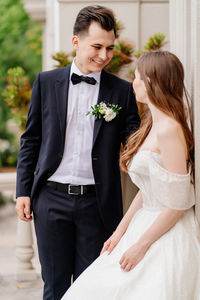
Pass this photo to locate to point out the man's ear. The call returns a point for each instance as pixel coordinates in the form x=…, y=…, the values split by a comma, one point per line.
x=75, y=42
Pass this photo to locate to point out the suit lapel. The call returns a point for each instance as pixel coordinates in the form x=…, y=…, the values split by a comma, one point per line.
x=105, y=93
x=61, y=88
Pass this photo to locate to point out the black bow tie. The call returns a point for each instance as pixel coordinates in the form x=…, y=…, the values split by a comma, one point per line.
x=75, y=78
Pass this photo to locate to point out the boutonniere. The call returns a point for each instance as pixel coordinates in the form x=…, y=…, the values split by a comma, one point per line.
x=106, y=110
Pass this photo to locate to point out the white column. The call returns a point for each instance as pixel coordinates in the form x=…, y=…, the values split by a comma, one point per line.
x=24, y=252
x=195, y=75
x=49, y=36
x=185, y=43
x=24, y=239
x=180, y=34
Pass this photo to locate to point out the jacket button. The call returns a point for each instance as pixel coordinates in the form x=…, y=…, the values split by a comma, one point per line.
x=95, y=158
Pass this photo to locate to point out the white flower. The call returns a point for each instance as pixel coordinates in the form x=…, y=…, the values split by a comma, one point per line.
x=103, y=106
x=109, y=114
x=4, y=145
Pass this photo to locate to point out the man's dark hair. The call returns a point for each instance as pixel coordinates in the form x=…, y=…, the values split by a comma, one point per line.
x=97, y=13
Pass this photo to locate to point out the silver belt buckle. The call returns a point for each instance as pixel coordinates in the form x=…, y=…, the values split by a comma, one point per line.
x=81, y=189
x=71, y=193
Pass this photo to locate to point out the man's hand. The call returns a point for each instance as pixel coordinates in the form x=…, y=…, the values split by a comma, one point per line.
x=23, y=208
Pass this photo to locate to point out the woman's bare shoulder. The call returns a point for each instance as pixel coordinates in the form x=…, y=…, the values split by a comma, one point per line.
x=169, y=128
x=172, y=146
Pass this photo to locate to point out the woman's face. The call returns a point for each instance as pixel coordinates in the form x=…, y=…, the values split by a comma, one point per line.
x=139, y=88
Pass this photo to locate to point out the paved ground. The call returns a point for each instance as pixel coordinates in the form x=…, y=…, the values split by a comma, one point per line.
x=10, y=288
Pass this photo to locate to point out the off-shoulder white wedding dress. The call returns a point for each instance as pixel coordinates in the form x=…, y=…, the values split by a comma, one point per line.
x=170, y=269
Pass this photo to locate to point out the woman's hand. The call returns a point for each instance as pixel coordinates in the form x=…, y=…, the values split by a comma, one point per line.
x=133, y=256
x=111, y=243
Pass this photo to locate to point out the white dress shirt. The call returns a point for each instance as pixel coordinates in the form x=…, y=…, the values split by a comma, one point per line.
x=76, y=164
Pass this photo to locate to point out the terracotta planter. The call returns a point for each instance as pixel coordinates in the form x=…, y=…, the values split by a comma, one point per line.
x=7, y=169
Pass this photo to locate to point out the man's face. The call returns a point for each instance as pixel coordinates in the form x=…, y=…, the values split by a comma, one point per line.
x=94, y=50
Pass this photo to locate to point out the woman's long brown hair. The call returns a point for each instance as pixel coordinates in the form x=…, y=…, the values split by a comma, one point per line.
x=163, y=76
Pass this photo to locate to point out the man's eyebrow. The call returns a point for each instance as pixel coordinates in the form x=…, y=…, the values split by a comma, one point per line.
x=100, y=45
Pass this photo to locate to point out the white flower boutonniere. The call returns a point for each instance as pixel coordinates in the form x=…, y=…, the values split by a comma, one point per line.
x=106, y=110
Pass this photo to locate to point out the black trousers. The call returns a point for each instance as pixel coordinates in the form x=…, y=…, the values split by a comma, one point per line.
x=70, y=235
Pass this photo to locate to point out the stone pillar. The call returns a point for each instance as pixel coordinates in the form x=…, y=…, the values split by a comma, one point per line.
x=180, y=34
x=24, y=241
x=24, y=252
x=50, y=34
x=185, y=43
x=195, y=91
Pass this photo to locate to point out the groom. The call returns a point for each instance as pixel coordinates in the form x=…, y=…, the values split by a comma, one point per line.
x=68, y=166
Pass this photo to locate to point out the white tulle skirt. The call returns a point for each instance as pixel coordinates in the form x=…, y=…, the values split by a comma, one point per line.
x=170, y=269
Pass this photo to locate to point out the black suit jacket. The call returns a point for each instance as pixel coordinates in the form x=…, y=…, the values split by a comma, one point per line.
x=42, y=144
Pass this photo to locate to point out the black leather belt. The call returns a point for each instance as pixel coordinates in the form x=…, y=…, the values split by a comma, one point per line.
x=72, y=189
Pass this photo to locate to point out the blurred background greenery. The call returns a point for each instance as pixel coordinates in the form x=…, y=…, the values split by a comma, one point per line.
x=20, y=45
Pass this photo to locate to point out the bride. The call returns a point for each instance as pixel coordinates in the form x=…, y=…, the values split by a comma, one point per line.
x=154, y=252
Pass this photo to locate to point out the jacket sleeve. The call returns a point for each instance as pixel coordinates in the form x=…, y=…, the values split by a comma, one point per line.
x=132, y=119
x=30, y=143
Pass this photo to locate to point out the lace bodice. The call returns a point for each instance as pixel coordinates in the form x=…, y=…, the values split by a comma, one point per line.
x=160, y=188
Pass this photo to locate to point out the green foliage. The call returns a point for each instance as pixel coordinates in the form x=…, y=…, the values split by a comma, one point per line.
x=18, y=34
x=20, y=40
x=5, y=200
x=34, y=36
x=17, y=94
x=8, y=153
x=3, y=119
x=63, y=59
x=96, y=111
x=155, y=42
x=8, y=150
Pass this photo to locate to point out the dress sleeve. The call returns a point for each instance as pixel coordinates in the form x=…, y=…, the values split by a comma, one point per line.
x=172, y=190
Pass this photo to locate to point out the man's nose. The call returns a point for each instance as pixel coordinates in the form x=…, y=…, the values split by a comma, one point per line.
x=103, y=54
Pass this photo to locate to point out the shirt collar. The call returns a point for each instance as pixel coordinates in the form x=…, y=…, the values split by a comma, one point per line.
x=75, y=69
